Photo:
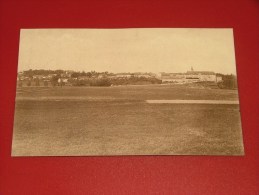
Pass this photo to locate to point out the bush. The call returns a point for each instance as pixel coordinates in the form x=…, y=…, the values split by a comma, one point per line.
x=19, y=83
x=29, y=83
x=135, y=81
x=80, y=82
x=100, y=82
x=46, y=83
x=228, y=82
x=37, y=82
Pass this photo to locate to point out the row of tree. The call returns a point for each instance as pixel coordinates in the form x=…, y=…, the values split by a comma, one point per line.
x=30, y=73
x=116, y=81
x=75, y=74
x=228, y=82
x=58, y=81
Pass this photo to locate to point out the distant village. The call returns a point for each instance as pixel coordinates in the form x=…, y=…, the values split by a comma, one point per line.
x=76, y=78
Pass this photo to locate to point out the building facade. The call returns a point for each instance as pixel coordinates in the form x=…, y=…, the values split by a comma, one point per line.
x=189, y=77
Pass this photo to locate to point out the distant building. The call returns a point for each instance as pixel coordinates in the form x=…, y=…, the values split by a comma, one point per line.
x=82, y=78
x=51, y=75
x=136, y=74
x=124, y=75
x=189, y=77
x=201, y=76
x=139, y=75
x=219, y=78
x=111, y=76
x=39, y=77
x=172, y=77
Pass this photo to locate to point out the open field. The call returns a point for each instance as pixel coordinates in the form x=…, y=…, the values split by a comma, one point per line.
x=73, y=121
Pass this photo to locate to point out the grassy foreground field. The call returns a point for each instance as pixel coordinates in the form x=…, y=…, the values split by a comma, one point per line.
x=73, y=121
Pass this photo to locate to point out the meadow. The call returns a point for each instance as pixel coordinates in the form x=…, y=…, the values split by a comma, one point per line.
x=117, y=120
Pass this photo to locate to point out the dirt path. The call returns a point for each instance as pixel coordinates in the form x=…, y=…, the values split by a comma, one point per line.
x=192, y=101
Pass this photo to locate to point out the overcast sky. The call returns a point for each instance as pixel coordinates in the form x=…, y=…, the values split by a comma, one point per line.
x=128, y=50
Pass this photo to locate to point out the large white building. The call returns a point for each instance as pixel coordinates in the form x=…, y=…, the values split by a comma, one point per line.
x=189, y=77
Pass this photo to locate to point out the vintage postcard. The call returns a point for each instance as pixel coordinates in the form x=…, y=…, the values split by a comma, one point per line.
x=135, y=91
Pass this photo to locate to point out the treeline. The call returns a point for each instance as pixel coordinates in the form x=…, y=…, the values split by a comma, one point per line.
x=31, y=73
x=74, y=74
x=88, y=74
x=116, y=81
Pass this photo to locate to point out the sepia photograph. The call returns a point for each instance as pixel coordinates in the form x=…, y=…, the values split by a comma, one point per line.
x=128, y=91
